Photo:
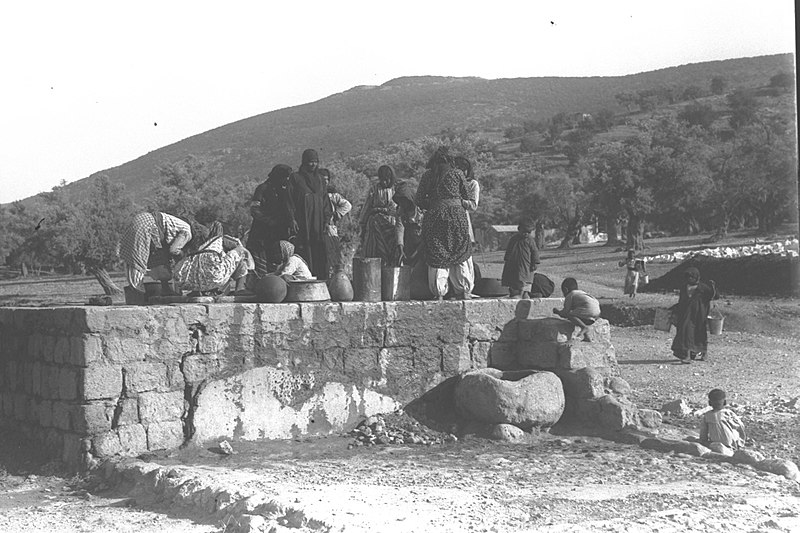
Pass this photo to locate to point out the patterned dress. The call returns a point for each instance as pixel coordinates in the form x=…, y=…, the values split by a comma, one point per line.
x=377, y=221
x=445, y=229
x=211, y=267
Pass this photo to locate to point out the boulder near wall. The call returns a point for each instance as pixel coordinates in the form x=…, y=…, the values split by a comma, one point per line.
x=527, y=399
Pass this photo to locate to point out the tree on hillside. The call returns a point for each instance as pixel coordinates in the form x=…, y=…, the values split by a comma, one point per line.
x=718, y=85
x=628, y=100
x=693, y=92
x=782, y=81
x=191, y=189
x=622, y=180
x=697, y=114
x=744, y=108
x=17, y=221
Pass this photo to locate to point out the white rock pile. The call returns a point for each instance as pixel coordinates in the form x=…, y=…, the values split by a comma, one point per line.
x=787, y=248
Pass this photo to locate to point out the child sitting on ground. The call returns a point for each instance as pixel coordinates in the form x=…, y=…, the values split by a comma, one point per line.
x=721, y=429
x=579, y=308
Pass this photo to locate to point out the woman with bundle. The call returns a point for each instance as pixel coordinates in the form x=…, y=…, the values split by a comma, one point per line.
x=218, y=262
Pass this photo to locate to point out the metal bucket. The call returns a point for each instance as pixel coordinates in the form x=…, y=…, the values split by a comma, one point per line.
x=396, y=283
x=715, y=325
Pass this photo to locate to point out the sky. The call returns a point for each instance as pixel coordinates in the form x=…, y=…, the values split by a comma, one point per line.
x=90, y=85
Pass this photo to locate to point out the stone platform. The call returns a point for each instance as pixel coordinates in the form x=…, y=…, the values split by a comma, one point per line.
x=92, y=382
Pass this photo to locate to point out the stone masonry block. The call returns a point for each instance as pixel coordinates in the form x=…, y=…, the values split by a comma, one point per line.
x=61, y=350
x=36, y=378
x=34, y=347
x=142, y=377
x=100, y=381
x=63, y=416
x=107, y=444
x=44, y=409
x=427, y=360
x=482, y=332
x=537, y=354
x=127, y=412
x=503, y=356
x=480, y=354
x=399, y=366
x=27, y=377
x=51, y=382
x=362, y=363
x=545, y=330
x=48, y=347
x=197, y=367
x=489, y=310
x=96, y=417
x=537, y=308
x=85, y=350
x=115, y=318
x=456, y=358
x=509, y=332
x=161, y=406
x=132, y=439
x=365, y=322
x=583, y=383
x=68, y=383
x=599, y=331
x=164, y=435
x=71, y=448
x=122, y=349
x=577, y=354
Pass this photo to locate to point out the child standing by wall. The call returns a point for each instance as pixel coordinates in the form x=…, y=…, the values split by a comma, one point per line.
x=721, y=429
x=520, y=259
x=580, y=308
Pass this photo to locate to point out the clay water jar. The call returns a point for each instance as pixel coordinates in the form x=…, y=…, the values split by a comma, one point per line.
x=340, y=288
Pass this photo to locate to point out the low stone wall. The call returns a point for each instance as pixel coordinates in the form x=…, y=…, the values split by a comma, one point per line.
x=90, y=382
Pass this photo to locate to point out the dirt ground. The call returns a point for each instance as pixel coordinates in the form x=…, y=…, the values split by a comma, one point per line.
x=553, y=483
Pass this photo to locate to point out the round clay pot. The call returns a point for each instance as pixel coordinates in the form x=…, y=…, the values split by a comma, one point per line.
x=340, y=288
x=270, y=289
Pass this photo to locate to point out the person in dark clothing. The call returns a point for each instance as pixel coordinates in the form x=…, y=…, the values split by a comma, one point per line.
x=520, y=259
x=690, y=316
x=308, y=192
x=408, y=225
x=273, y=218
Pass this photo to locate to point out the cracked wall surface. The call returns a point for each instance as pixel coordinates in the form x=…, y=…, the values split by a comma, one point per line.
x=90, y=382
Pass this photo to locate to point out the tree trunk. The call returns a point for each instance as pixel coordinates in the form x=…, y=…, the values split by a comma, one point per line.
x=24, y=270
x=613, y=230
x=109, y=287
x=636, y=232
x=539, y=235
x=573, y=231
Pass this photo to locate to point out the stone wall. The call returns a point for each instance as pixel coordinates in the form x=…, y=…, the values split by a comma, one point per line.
x=89, y=382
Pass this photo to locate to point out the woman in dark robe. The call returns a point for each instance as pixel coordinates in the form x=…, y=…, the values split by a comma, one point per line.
x=378, y=220
x=408, y=226
x=273, y=218
x=690, y=317
x=445, y=230
x=307, y=191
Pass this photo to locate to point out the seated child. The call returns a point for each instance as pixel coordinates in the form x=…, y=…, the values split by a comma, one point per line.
x=579, y=308
x=292, y=267
x=721, y=429
x=520, y=260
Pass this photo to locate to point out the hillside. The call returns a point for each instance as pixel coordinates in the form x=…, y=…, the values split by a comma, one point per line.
x=365, y=117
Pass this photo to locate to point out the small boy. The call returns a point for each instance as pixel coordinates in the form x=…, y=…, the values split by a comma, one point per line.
x=721, y=429
x=520, y=260
x=579, y=308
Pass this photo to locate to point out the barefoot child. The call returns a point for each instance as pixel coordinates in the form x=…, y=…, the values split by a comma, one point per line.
x=721, y=429
x=579, y=308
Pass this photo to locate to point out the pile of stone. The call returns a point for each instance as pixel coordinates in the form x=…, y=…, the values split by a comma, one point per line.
x=396, y=428
x=783, y=249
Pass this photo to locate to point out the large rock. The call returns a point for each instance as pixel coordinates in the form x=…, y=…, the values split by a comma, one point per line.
x=525, y=398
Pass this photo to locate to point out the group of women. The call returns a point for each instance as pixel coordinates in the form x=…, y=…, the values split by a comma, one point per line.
x=402, y=225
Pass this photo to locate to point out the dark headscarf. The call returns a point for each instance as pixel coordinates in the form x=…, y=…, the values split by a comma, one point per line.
x=384, y=170
x=310, y=155
x=404, y=190
x=526, y=226
x=440, y=157
x=692, y=275
x=464, y=164
x=280, y=173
